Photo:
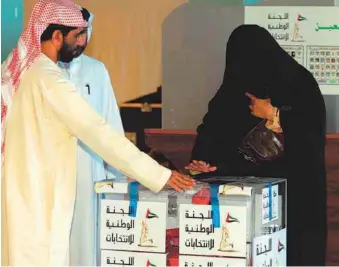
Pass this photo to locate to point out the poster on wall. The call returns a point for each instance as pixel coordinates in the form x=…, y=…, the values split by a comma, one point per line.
x=309, y=34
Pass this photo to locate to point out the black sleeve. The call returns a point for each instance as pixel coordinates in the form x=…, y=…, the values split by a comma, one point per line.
x=218, y=138
x=304, y=126
x=224, y=126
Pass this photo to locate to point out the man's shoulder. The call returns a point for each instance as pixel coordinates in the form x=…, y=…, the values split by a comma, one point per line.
x=94, y=62
x=45, y=67
x=43, y=70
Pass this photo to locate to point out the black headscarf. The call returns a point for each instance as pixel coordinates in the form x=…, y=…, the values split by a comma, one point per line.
x=252, y=52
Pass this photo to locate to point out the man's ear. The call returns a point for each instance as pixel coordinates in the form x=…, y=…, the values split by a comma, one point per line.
x=57, y=39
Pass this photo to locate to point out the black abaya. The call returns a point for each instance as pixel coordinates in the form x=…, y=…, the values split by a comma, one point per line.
x=255, y=63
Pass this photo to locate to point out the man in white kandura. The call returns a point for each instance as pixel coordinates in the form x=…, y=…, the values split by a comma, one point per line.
x=93, y=83
x=42, y=118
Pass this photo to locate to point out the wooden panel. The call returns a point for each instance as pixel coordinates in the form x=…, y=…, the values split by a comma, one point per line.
x=332, y=169
x=177, y=146
x=136, y=118
x=174, y=144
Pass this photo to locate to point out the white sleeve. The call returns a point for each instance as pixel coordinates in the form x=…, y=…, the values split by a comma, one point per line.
x=99, y=136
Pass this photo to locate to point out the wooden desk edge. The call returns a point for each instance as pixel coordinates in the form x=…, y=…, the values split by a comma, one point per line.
x=170, y=131
x=332, y=136
x=193, y=132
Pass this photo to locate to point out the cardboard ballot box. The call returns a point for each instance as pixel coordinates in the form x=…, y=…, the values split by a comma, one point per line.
x=232, y=222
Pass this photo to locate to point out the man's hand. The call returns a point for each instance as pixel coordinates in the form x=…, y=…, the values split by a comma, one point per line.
x=180, y=182
x=261, y=108
x=200, y=166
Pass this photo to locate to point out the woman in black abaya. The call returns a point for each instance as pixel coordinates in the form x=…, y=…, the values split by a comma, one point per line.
x=262, y=81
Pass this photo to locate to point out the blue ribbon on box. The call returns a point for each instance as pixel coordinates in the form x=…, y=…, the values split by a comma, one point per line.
x=214, y=189
x=133, y=198
x=270, y=201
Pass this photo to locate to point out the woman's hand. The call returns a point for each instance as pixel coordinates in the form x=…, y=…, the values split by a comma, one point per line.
x=261, y=108
x=200, y=166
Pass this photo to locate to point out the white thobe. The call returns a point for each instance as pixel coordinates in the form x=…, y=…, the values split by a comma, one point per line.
x=92, y=82
x=40, y=162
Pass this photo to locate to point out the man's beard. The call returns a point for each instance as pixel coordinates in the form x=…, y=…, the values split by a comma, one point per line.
x=67, y=53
